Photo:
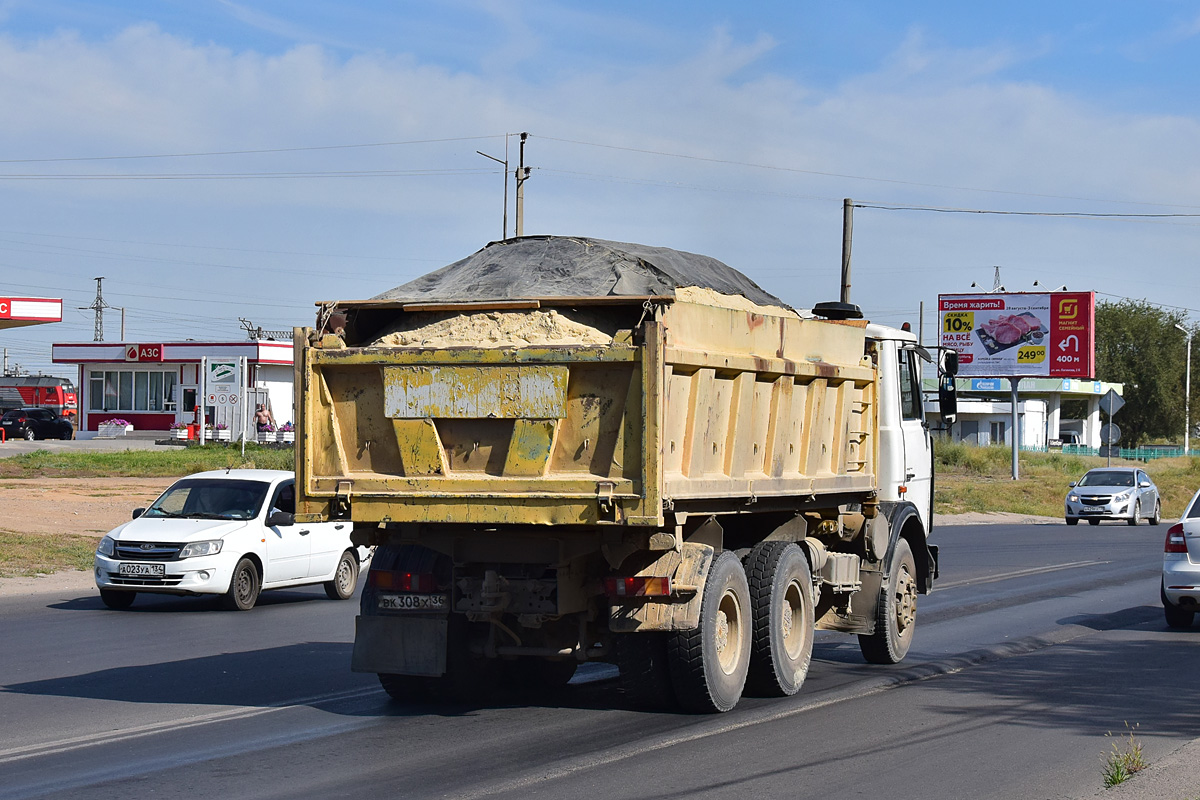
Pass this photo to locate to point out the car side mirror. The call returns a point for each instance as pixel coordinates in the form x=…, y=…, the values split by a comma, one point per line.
x=137, y=512
x=1072, y=484
x=1145, y=485
x=281, y=519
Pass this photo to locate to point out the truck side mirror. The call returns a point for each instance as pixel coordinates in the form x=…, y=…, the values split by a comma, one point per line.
x=947, y=399
x=948, y=363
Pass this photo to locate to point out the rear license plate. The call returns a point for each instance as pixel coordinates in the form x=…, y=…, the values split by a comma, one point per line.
x=412, y=602
x=151, y=570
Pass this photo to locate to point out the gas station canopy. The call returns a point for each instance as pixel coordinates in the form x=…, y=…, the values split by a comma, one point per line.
x=16, y=312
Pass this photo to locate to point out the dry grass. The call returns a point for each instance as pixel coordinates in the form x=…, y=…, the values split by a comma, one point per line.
x=980, y=479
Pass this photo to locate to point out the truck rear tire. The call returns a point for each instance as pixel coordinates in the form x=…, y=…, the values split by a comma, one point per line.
x=709, y=664
x=645, y=675
x=782, y=613
x=896, y=616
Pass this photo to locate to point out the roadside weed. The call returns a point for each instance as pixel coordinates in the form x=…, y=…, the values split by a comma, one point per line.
x=1125, y=758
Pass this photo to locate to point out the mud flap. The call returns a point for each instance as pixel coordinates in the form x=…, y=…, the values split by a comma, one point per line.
x=400, y=645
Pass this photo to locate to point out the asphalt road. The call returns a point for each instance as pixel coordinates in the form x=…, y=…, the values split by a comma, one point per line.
x=1038, y=641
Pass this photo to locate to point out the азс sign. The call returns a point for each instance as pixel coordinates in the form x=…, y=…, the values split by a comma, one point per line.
x=1020, y=335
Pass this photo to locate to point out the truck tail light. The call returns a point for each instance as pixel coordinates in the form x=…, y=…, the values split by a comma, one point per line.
x=402, y=581
x=637, y=587
x=1175, y=542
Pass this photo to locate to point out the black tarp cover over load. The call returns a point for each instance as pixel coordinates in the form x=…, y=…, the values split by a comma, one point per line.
x=571, y=266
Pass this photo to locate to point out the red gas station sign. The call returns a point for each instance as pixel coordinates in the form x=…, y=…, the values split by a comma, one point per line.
x=143, y=352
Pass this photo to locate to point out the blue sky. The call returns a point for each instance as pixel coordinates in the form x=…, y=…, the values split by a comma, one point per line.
x=731, y=131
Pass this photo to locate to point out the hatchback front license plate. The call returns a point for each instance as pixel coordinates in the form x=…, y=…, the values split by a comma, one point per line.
x=412, y=602
x=142, y=570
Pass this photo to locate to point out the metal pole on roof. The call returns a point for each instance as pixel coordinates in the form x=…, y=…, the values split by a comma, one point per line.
x=847, y=241
x=522, y=176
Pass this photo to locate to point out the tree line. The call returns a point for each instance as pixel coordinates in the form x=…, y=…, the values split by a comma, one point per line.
x=1138, y=345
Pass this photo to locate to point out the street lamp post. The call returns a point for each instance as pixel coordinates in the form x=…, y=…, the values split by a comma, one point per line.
x=1187, y=394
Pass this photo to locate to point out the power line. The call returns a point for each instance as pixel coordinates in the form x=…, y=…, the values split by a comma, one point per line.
x=252, y=152
x=228, y=176
x=826, y=174
x=941, y=210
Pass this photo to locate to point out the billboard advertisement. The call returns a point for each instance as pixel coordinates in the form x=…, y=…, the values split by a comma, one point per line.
x=1025, y=335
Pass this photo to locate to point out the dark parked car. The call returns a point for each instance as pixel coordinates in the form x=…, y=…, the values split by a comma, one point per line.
x=36, y=423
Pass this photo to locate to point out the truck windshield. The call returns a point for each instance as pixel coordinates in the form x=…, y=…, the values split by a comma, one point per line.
x=211, y=499
x=1107, y=477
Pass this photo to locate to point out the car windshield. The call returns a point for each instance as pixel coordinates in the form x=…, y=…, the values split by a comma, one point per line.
x=211, y=499
x=1107, y=477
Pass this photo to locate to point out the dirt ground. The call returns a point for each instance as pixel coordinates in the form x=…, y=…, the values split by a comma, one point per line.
x=84, y=506
x=74, y=505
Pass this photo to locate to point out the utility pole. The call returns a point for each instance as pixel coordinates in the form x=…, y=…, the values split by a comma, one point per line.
x=98, y=305
x=522, y=176
x=847, y=241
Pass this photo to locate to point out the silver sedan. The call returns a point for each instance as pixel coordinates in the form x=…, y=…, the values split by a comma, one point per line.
x=1125, y=493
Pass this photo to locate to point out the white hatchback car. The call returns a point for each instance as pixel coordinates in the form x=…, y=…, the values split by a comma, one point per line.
x=1181, y=568
x=228, y=533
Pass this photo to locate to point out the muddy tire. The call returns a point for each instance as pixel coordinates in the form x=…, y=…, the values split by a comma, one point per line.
x=116, y=599
x=244, y=587
x=782, y=614
x=896, y=616
x=345, y=579
x=709, y=664
x=645, y=677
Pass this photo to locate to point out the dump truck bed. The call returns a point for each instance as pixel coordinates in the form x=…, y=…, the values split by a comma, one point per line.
x=676, y=404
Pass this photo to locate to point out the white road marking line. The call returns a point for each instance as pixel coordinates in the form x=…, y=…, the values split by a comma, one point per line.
x=1003, y=576
x=123, y=734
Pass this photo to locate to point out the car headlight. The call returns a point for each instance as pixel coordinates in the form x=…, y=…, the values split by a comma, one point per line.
x=105, y=548
x=1122, y=497
x=1073, y=498
x=210, y=548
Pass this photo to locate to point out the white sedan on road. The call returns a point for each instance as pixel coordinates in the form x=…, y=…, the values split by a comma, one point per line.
x=1181, y=568
x=228, y=533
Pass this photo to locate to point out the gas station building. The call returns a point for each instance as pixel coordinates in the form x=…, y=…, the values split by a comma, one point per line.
x=156, y=385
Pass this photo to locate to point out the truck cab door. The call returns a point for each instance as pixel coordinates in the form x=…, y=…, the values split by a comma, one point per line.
x=918, y=448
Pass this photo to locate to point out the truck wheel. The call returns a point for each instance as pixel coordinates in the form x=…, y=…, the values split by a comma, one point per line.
x=896, y=616
x=645, y=672
x=406, y=688
x=782, y=613
x=709, y=664
x=116, y=599
x=243, y=587
x=345, y=580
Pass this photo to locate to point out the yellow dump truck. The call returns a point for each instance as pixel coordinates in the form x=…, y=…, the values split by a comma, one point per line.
x=568, y=450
